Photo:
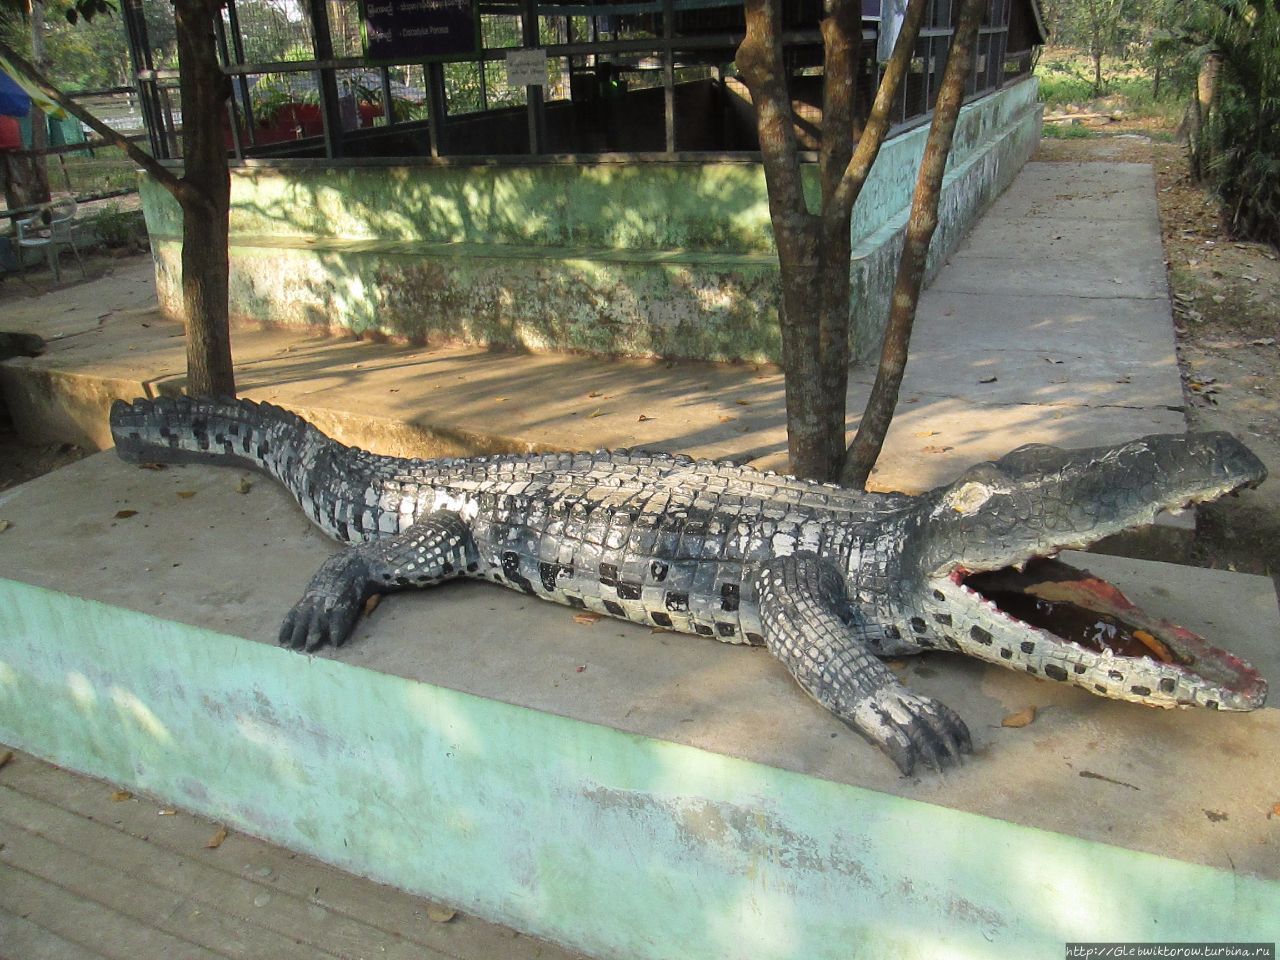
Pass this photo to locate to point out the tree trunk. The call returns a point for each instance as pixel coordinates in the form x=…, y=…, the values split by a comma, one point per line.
x=206, y=201
x=814, y=250
x=38, y=182
x=1199, y=148
x=869, y=440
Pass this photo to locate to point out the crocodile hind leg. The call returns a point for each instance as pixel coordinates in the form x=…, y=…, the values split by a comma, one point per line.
x=800, y=599
x=437, y=547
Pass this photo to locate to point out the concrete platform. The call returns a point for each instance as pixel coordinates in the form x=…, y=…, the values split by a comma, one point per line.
x=667, y=764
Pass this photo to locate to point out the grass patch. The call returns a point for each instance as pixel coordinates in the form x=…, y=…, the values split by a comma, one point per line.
x=106, y=170
x=1066, y=79
x=1067, y=131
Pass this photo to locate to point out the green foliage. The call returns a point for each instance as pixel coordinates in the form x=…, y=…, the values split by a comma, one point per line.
x=1243, y=132
x=1067, y=131
x=119, y=228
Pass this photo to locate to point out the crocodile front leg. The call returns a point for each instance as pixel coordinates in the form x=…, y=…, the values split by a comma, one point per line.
x=437, y=547
x=800, y=602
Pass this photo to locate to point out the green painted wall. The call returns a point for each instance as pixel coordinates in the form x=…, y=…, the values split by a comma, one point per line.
x=616, y=844
x=652, y=259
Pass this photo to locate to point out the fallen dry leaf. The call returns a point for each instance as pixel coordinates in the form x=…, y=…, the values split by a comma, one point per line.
x=728, y=419
x=244, y=486
x=1275, y=808
x=991, y=379
x=595, y=393
x=6, y=758
x=372, y=603
x=125, y=514
x=643, y=417
x=743, y=403
x=439, y=914
x=927, y=433
x=186, y=494
x=587, y=618
x=166, y=812
x=1020, y=718
x=933, y=448
x=153, y=466
x=594, y=413
x=119, y=796
x=214, y=842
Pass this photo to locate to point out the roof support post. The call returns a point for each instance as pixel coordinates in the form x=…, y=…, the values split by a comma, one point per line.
x=322, y=42
x=531, y=40
x=669, y=74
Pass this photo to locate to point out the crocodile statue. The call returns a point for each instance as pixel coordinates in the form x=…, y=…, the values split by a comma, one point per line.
x=829, y=579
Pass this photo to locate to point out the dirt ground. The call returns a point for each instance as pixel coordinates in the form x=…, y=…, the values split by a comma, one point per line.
x=1226, y=298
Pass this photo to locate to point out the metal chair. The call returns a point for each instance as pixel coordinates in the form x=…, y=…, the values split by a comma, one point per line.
x=53, y=228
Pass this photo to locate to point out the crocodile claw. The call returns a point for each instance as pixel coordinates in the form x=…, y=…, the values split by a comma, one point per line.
x=329, y=607
x=912, y=729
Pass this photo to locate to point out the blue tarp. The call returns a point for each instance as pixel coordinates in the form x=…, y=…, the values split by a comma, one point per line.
x=14, y=101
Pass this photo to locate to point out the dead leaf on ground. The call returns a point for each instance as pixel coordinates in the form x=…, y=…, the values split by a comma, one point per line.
x=594, y=413
x=927, y=433
x=214, y=842
x=932, y=448
x=6, y=758
x=166, y=812
x=186, y=494
x=244, y=486
x=990, y=379
x=1275, y=809
x=587, y=618
x=643, y=417
x=153, y=466
x=372, y=603
x=125, y=514
x=1019, y=718
x=595, y=393
x=119, y=796
x=743, y=403
x=439, y=914
x=728, y=419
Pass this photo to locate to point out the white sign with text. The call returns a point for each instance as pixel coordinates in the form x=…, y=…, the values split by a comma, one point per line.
x=527, y=68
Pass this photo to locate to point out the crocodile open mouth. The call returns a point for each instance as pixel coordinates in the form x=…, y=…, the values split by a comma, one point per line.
x=1085, y=630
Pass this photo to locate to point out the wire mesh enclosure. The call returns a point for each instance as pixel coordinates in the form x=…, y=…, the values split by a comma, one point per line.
x=654, y=77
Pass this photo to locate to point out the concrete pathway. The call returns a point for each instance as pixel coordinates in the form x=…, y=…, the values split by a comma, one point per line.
x=1059, y=295
x=88, y=872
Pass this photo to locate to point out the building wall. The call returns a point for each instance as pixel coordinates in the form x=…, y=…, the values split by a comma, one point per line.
x=644, y=259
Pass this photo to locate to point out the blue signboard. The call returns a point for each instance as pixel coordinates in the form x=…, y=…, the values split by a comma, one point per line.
x=406, y=30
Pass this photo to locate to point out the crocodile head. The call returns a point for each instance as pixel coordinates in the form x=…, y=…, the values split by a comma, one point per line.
x=992, y=588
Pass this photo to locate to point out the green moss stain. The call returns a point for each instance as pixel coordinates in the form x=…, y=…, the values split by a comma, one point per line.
x=646, y=259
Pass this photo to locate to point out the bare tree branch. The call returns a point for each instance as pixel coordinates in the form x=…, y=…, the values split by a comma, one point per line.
x=873, y=134
x=868, y=441
x=13, y=62
x=760, y=61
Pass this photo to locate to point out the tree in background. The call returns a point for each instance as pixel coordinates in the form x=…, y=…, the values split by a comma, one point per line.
x=203, y=190
x=815, y=247
x=1237, y=143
